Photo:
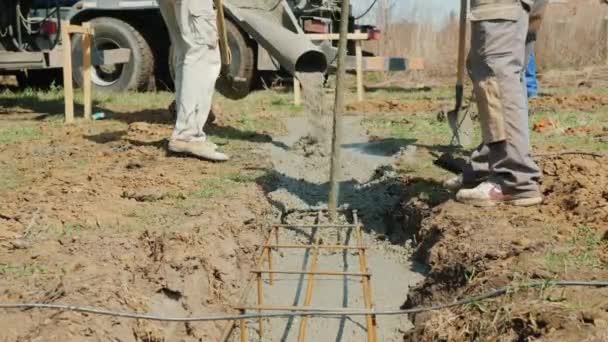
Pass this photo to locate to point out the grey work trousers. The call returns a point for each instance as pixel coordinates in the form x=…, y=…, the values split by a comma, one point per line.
x=496, y=66
x=193, y=32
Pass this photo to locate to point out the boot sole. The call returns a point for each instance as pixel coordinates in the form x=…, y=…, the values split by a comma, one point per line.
x=201, y=156
x=519, y=202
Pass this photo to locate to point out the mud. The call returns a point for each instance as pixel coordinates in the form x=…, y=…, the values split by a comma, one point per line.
x=471, y=251
x=101, y=215
x=369, y=185
x=318, y=107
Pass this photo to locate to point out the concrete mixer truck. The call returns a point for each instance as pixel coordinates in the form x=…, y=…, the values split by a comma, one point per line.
x=266, y=37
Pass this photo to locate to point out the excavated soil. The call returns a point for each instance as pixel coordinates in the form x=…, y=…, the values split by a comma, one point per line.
x=101, y=215
x=472, y=250
x=584, y=102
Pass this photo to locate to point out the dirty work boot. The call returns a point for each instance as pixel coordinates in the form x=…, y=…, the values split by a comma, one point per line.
x=488, y=194
x=457, y=183
x=201, y=149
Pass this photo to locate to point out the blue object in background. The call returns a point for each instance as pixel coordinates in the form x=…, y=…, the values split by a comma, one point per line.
x=531, y=82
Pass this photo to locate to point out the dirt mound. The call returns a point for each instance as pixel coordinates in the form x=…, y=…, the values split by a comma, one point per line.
x=101, y=215
x=392, y=106
x=472, y=250
x=576, y=190
x=580, y=101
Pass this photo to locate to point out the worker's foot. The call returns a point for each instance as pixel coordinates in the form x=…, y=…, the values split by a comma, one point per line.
x=488, y=194
x=457, y=183
x=201, y=149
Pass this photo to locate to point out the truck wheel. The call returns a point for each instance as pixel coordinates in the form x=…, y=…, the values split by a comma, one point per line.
x=111, y=33
x=242, y=65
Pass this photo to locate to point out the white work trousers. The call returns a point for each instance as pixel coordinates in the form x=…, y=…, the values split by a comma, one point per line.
x=192, y=27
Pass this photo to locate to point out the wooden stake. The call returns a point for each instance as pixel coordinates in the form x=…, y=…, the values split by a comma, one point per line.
x=297, y=91
x=605, y=29
x=359, y=56
x=308, y=298
x=338, y=110
x=243, y=328
x=365, y=281
x=260, y=302
x=270, y=275
x=68, y=88
x=86, y=70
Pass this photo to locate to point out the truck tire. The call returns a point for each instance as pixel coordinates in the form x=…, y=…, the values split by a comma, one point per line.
x=111, y=33
x=242, y=65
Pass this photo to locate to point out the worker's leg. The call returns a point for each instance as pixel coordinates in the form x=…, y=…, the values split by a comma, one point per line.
x=200, y=68
x=170, y=10
x=478, y=168
x=497, y=60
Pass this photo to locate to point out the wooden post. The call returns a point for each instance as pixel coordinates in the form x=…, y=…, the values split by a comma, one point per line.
x=86, y=70
x=260, y=303
x=605, y=32
x=243, y=328
x=297, y=91
x=68, y=89
x=359, y=56
x=338, y=110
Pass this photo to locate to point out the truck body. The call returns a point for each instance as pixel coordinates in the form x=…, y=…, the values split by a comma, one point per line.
x=257, y=31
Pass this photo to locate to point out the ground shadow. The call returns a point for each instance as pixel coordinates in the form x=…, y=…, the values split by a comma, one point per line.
x=381, y=147
x=382, y=202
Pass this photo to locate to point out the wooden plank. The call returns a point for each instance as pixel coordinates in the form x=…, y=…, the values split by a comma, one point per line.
x=298, y=308
x=359, y=56
x=336, y=36
x=309, y=286
x=326, y=273
x=71, y=29
x=68, y=88
x=86, y=71
x=330, y=247
x=297, y=92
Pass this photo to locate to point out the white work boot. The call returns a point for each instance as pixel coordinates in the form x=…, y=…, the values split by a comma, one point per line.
x=488, y=194
x=201, y=149
x=454, y=183
x=457, y=183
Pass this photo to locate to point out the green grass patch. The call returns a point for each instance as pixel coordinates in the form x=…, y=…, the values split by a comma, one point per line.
x=582, y=250
x=20, y=271
x=19, y=133
x=209, y=188
x=10, y=178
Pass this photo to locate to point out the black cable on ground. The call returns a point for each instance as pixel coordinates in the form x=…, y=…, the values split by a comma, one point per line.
x=316, y=313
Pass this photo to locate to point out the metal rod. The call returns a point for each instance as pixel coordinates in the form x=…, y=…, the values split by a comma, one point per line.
x=270, y=274
x=230, y=325
x=299, y=308
x=370, y=320
x=314, y=246
x=308, y=299
x=328, y=273
x=243, y=328
x=338, y=110
x=260, y=302
x=315, y=226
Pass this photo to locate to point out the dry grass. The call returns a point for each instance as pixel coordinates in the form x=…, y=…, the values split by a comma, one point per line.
x=573, y=35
